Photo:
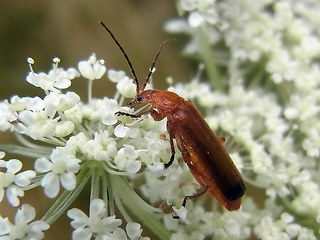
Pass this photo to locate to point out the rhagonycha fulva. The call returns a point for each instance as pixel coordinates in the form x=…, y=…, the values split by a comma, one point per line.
x=203, y=152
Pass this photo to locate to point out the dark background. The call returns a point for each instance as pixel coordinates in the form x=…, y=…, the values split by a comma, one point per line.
x=71, y=31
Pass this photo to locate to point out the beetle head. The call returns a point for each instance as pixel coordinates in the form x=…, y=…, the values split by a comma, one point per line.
x=143, y=97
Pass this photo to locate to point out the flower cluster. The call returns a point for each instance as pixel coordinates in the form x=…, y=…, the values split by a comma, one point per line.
x=73, y=141
x=263, y=56
x=261, y=59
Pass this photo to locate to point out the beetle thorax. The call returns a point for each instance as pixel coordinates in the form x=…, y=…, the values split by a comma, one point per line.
x=163, y=101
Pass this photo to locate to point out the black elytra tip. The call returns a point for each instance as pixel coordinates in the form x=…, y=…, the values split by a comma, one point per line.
x=234, y=192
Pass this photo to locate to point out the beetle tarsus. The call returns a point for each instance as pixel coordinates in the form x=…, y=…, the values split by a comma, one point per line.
x=173, y=152
x=174, y=216
x=168, y=164
x=197, y=194
x=127, y=114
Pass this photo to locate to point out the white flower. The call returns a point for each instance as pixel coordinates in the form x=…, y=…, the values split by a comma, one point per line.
x=23, y=228
x=116, y=76
x=98, y=224
x=126, y=159
x=121, y=131
x=92, y=68
x=12, y=183
x=56, y=79
x=60, y=168
x=134, y=231
x=200, y=12
x=6, y=116
x=284, y=228
x=56, y=101
x=125, y=85
x=107, y=110
x=37, y=124
x=64, y=129
x=100, y=148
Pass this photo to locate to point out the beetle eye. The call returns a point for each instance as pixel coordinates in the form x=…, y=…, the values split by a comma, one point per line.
x=139, y=98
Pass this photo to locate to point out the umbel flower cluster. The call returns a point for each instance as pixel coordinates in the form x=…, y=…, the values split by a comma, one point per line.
x=259, y=89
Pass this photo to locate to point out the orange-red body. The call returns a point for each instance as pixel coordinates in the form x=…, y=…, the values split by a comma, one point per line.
x=203, y=152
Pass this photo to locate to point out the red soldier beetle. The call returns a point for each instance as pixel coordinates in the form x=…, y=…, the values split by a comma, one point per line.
x=207, y=159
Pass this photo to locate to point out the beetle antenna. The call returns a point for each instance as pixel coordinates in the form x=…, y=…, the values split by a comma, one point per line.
x=153, y=64
x=124, y=54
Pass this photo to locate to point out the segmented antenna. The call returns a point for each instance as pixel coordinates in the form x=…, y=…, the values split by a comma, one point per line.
x=125, y=55
x=153, y=64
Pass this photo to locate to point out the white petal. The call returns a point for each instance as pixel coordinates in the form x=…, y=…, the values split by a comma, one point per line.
x=126, y=87
x=23, y=179
x=51, y=184
x=4, y=226
x=181, y=212
x=156, y=167
x=81, y=234
x=33, y=78
x=14, y=165
x=64, y=129
x=36, y=104
x=36, y=228
x=73, y=165
x=43, y=165
x=62, y=83
x=98, y=70
x=80, y=219
x=133, y=166
x=3, y=163
x=109, y=119
x=12, y=193
x=118, y=234
x=195, y=19
x=25, y=214
x=111, y=223
x=72, y=73
x=133, y=230
x=97, y=207
x=39, y=226
x=1, y=194
x=68, y=181
x=116, y=76
x=121, y=131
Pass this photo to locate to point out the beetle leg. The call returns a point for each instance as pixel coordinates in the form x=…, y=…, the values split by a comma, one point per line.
x=126, y=114
x=132, y=115
x=173, y=152
x=197, y=194
x=222, y=140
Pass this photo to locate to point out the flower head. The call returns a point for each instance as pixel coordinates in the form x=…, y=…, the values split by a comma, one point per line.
x=55, y=80
x=23, y=228
x=257, y=86
x=59, y=169
x=11, y=182
x=92, y=68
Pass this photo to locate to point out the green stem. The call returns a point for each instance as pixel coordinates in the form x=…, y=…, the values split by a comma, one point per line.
x=65, y=199
x=208, y=59
x=95, y=184
x=25, y=151
x=90, y=83
x=129, y=197
x=109, y=185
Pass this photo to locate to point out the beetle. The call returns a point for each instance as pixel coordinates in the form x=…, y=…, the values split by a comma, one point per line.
x=201, y=149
